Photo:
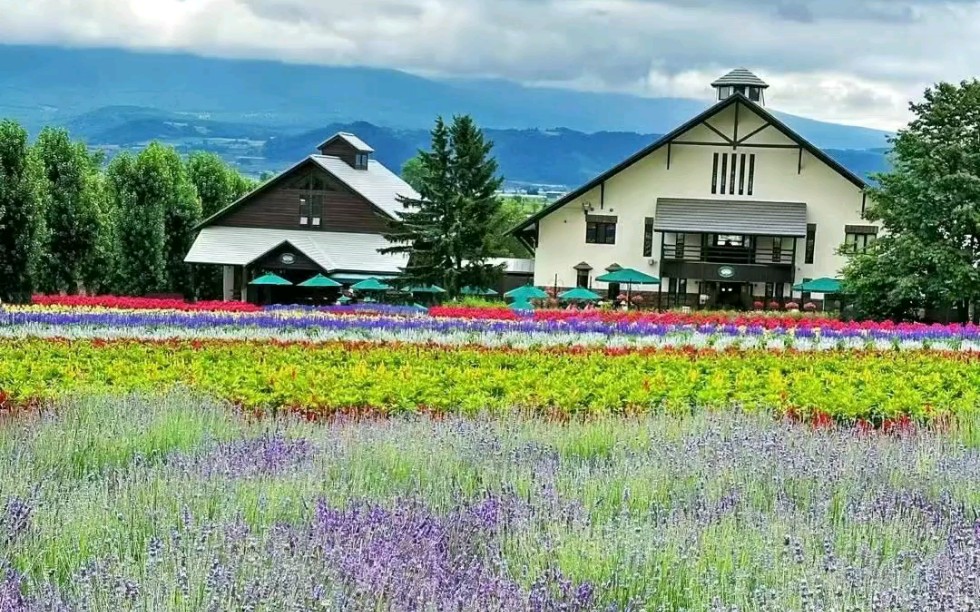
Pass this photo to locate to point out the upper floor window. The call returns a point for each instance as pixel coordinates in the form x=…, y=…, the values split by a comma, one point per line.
x=858, y=239
x=648, y=237
x=600, y=229
x=361, y=161
x=733, y=173
x=811, y=242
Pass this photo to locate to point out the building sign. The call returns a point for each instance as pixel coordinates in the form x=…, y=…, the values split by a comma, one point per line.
x=287, y=258
x=726, y=271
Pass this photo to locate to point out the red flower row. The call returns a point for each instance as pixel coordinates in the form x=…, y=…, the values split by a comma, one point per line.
x=756, y=319
x=140, y=303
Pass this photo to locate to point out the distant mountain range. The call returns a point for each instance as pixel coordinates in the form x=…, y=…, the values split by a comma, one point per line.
x=265, y=115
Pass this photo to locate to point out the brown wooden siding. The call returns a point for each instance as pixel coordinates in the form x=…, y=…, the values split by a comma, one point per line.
x=342, y=149
x=278, y=207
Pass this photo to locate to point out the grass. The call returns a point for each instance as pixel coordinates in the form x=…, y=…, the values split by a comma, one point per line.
x=135, y=503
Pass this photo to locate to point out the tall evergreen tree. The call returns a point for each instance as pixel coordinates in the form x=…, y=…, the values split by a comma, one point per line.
x=22, y=199
x=929, y=205
x=72, y=214
x=449, y=230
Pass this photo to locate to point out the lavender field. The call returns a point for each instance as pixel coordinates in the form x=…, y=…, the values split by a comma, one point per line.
x=175, y=503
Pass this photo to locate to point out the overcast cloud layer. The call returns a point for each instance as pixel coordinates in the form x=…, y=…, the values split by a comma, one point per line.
x=852, y=61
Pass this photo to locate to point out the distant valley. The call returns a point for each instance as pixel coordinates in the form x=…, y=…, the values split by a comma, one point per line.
x=264, y=116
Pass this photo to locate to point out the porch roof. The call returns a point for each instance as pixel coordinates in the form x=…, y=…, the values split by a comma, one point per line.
x=751, y=218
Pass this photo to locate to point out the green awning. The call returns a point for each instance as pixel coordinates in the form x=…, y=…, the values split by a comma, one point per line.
x=271, y=280
x=320, y=282
x=371, y=284
x=819, y=285
x=433, y=289
x=581, y=294
x=350, y=279
x=629, y=276
x=477, y=291
x=521, y=305
x=527, y=292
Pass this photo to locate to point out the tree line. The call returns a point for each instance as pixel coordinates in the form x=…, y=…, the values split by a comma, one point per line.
x=71, y=223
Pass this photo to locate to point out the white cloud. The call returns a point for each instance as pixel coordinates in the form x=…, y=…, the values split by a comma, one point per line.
x=854, y=61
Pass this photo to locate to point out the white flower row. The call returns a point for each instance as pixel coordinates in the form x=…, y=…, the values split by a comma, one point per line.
x=519, y=340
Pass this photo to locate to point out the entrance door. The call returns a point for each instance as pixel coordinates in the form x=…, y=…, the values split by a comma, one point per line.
x=730, y=295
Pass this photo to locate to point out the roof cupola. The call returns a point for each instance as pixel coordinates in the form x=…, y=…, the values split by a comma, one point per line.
x=743, y=82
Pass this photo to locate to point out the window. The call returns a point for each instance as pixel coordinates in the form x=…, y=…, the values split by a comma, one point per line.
x=714, y=175
x=679, y=242
x=316, y=209
x=682, y=285
x=811, y=242
x=648, y=237
x=729, y=240
x=780, y=291
x=733, y=173
x=724, y=171
x=361, y=161
x=858, y=238
x=805, y=295
x=582, y=278
x=781, y=244
x=304, y=211
x=755, y=94
x=600, y=229
x=770, y=290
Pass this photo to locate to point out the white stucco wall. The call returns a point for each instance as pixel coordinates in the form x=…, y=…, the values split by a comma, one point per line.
x=832, y=202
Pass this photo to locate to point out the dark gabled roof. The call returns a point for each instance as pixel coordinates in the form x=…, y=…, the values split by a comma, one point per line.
x=359, y=145
x=740, y=76
x=664, y=140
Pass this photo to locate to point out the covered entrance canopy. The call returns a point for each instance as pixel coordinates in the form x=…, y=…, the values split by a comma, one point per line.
x=748, y=218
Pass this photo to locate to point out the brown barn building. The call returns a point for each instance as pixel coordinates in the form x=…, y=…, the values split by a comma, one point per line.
x=325, y=215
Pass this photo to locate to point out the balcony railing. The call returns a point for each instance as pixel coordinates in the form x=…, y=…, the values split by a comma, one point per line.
x=728, y=254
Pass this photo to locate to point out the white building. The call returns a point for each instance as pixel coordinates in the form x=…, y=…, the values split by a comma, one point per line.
x=732, y=205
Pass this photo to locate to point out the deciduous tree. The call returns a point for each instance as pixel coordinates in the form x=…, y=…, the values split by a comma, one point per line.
x=22, y=198
x=929, y=205
x=72, y=216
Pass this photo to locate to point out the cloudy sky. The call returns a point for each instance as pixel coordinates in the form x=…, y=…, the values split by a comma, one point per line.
x=852, y=61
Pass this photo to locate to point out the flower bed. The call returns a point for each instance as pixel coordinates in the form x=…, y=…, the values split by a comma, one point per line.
x=139, y=303
x=395, y=326
x=334, y=376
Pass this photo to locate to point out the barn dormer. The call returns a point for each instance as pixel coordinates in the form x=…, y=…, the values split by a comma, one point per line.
x=349, y=148
x=744, y=82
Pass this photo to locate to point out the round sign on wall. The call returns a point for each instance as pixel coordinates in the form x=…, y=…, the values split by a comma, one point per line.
x=287, y=258
x=726, y=271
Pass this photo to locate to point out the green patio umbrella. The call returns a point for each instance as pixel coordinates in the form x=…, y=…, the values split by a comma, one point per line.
x=819, y=285
x=432, y=289
x=320, y=282
x=371, y=284
x=630, y=277
x=525, y=293
x=344, y=300
x=580, y=294
x=521, y=305
x=478, y=291
x=271, y=280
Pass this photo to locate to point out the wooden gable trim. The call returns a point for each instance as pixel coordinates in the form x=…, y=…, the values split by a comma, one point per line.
x=671, y=137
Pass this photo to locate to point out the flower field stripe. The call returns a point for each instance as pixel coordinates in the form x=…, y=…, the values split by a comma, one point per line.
x=461, y=338
x=571, y=331
x=325, y=377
